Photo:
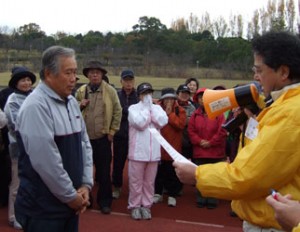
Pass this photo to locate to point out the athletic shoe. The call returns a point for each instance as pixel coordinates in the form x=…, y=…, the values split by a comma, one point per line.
x=116, y=193
x=105, y=210
x=172, y=201
x=146, y=213
x=211, y=203
x=157, y=198
x=136, y=214
x=17, y=225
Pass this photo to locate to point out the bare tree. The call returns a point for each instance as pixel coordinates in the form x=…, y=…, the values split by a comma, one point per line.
x=240, y=26
x=264, y=19
x=290, y=14
x=233, y=24
x=255, y=23
x=279, y=23
x=220, y=27
x=299, y=13
x=271, y=8
x=5, y=30
x=281, y=9
x=193, y=23
x=205, y=23
x=179, y=24
x=250, y=31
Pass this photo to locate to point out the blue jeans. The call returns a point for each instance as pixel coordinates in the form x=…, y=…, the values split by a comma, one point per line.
x=31, y=224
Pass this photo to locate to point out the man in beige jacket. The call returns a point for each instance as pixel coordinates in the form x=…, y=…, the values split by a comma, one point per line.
x=102, y=114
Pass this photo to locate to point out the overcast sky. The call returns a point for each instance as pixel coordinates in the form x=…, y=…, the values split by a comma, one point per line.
x=75, y=16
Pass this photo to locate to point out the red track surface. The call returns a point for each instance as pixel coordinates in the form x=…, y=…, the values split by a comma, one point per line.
x=184, y=217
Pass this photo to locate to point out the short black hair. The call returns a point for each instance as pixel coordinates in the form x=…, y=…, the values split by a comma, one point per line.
x=279, y=48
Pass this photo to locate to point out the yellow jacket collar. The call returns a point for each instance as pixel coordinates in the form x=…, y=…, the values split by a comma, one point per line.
x=276, y=94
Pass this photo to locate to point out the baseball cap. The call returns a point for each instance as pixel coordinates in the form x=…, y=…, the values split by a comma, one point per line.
x=183, y=88
x=143, y=87
x=127, y=73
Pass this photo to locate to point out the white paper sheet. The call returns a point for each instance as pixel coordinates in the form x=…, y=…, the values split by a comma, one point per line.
x=176, y=156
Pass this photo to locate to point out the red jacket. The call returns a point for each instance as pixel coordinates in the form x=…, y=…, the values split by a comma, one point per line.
x=201, y=127
x=172, y=132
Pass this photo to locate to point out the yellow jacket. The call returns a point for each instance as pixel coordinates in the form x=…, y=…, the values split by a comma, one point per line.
x=296, y=229
x=270, y=161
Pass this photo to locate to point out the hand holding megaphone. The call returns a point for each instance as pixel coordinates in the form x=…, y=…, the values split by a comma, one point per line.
x=217, y=102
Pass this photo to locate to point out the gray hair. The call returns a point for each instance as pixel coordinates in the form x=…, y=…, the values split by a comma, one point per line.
x=50, y=59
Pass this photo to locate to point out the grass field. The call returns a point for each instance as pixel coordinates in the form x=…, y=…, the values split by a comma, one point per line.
x=157, y=82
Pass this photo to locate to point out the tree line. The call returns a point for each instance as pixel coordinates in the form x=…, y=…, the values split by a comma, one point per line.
x=151, y=48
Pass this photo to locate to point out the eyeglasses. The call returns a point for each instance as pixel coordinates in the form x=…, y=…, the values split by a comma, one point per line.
x=257, y=70
x=94, y=72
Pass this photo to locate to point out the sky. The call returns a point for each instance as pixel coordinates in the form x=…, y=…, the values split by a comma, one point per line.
x=76, y=16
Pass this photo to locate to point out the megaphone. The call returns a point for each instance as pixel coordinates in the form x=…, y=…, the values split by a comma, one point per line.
x=217, y=102
x=240, y=119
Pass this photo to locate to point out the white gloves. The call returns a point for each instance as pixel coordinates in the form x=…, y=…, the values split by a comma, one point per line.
x=147, y=101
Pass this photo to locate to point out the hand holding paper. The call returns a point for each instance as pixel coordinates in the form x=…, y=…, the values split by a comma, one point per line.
x=185, y=172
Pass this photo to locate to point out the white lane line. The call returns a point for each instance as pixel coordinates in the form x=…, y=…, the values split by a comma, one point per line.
x=200, y=223
x=113, y=213
x=178, y=221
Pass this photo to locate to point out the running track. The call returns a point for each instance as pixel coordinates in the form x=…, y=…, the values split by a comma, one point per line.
x=185, y=217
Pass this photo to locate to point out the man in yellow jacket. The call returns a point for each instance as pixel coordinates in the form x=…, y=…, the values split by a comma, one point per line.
x=272, y=159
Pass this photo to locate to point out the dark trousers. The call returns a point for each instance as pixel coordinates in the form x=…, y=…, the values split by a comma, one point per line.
x=31, y=224
x=120, y=156
x=167, y=179
x=5, y=177
x=199, y=198
x=102, y=156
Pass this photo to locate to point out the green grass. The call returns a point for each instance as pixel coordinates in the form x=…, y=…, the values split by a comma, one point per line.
x=157, y=82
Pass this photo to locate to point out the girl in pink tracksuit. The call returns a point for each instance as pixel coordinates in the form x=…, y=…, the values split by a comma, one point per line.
x=144, y=151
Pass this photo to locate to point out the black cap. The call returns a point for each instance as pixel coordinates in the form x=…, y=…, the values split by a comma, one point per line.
x=183, y=88
x=143, y=87
x=127, y=73
x=18, y=73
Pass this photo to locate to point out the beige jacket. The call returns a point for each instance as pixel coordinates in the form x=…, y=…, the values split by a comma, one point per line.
x=111, y=106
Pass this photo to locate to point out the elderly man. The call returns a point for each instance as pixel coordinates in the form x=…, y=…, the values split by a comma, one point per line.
x=55, y=162
x=102, y=114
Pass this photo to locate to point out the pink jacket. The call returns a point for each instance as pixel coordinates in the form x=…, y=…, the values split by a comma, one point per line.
x=201, y=127
x=142, y=145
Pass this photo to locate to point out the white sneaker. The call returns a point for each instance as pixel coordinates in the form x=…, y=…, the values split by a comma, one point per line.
x=146, y=213
x=136, y=214
x=157, y=198
x=172, y=201
x=11, y=222
x=17, y=225
x=116, y=193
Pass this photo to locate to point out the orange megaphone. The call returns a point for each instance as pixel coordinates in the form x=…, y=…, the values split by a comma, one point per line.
x=218, y=101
